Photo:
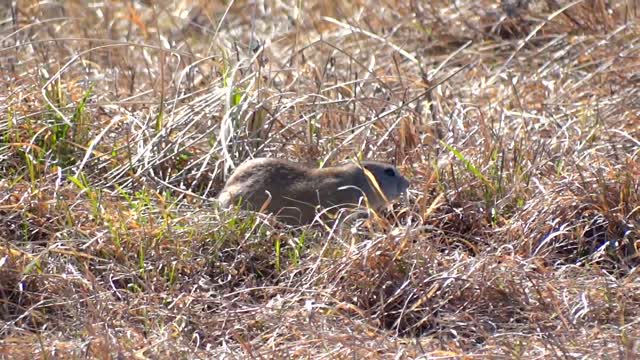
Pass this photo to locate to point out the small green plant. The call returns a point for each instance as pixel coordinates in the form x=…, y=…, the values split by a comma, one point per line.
x=170, y=273
x=79, y=117
x=160, y=118
x=31, y=167
x=93, y=194
x=296, y=251
x=490, y=192
x=469, y=165
x=278, y=253
x=141, y=257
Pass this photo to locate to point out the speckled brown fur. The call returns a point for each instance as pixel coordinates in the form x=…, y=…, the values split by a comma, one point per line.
x=296, y=190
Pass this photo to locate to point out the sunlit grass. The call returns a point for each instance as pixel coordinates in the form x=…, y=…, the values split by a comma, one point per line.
x=517, y=126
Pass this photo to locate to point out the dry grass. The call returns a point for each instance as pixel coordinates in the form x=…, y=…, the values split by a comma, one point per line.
x=518, y=125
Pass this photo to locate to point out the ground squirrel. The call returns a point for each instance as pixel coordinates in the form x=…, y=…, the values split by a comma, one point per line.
x=296, y=190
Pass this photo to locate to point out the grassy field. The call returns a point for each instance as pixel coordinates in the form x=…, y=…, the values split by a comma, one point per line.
x=517, y=123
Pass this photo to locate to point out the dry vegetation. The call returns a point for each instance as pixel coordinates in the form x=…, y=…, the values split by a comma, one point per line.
x=518, y=124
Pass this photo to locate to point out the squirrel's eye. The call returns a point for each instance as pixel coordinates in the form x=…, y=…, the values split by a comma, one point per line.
x=389, y=172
